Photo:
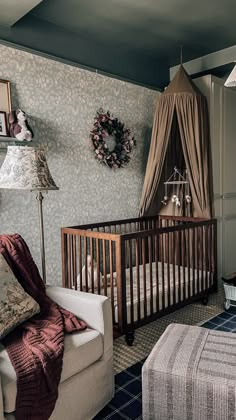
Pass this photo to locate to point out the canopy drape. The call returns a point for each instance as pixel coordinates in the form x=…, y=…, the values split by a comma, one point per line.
x=183, y=100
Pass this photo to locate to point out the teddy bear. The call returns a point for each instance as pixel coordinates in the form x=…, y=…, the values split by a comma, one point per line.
x=95, y=277
x=89, y=275
x=18, y=126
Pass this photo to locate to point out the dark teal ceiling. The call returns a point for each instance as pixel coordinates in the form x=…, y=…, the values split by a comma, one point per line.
x=134, y=39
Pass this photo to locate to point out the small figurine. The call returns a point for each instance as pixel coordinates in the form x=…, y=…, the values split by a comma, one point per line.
x=19, y=127
x=177, y=202
x=174, y=198
x=165, y=199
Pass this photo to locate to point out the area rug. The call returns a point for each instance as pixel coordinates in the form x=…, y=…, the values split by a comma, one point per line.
x=127, y=402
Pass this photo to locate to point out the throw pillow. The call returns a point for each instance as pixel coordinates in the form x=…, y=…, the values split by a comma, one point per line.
x=16, y=306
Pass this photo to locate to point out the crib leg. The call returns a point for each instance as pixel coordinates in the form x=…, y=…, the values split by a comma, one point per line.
x=129, y=338
x=205, y=299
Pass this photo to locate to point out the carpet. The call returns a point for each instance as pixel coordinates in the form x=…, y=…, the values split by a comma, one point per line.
x=127, y=402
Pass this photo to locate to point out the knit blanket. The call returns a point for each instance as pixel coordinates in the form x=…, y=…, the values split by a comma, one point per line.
x=36, y=347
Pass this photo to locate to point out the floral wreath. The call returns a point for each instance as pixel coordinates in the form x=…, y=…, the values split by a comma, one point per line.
x=106, y=125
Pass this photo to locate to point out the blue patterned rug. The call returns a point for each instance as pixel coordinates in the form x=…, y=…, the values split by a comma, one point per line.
x=127, y=402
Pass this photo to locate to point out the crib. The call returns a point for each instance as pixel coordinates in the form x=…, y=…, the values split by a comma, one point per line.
x=147, y=266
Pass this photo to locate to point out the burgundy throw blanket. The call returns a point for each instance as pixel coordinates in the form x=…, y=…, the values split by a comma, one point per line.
x=36, y=347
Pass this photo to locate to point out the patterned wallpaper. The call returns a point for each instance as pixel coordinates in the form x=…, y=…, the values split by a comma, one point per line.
x=61, y=102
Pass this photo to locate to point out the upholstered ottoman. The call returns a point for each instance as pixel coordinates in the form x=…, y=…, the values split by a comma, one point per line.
x=191, y=375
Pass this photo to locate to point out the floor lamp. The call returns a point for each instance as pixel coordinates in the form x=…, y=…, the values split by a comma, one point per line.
x=25, y=168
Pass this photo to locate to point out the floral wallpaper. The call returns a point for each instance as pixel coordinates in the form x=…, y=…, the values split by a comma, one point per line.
x=61, y=102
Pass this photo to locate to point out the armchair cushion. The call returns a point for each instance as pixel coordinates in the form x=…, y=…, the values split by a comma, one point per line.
x=82, y=349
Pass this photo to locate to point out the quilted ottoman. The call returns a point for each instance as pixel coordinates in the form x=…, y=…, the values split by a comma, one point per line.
x=191, y=375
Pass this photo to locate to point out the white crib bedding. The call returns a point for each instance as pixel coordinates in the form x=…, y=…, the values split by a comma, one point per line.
x=158, y=289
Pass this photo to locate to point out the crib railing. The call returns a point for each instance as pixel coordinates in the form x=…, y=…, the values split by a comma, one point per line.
x=147, y=266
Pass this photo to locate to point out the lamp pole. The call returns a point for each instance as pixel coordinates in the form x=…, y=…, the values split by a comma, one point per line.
x=40, y=198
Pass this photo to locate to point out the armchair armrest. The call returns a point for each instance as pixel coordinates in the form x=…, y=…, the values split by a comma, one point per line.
x=1, y=403
x=95, y=310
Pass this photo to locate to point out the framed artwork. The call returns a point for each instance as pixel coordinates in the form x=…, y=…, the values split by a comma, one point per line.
x=3, y=124
x=5, y=96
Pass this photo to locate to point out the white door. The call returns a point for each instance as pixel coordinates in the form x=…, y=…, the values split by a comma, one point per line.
x=222, y=115
x=229, y=181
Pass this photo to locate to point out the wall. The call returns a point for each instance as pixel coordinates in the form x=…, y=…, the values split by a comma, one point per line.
x=61, y=102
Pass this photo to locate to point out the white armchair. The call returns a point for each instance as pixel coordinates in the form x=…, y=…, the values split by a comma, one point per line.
x=87, y=380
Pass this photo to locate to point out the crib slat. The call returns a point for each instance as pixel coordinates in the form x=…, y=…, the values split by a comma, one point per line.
x=86, y=264
x=211, y=250
x=111, y=280
x=69, y=262
x=202, y=258
x=214, y=254
x=64, y=240
x=131, y=283
x=150, y=272
x=168, y=267
x=74, y=262
x=104, y=266
x=206, y=240
x=163, y=270
x=144, y=276
x=80, y=262
x=179, y=264
x=137, y=254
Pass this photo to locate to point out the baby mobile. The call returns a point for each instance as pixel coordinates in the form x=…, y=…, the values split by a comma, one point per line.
x=177, y=180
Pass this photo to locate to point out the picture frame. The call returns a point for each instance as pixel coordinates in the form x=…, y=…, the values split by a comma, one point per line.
x=3, y=124
x=5, y=96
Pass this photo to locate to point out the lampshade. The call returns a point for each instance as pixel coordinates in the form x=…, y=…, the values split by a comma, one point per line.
x=231, y=81
x=26, y=168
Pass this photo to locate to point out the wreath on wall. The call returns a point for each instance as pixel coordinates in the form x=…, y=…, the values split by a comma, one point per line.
x=112, y=142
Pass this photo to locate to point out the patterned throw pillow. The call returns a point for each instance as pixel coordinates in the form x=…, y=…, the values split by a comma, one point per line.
x=16, y=306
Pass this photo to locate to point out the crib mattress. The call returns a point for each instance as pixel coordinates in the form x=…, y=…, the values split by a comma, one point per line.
x=161, y=272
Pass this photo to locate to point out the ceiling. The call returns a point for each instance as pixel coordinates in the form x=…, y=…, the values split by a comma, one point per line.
x=133, y=39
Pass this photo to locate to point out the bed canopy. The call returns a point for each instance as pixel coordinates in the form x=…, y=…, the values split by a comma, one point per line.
x=180, y=136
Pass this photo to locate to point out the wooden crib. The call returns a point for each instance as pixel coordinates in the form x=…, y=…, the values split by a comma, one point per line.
x=148, y=266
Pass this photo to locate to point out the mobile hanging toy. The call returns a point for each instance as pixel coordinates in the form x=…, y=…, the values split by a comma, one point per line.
x=176, y=179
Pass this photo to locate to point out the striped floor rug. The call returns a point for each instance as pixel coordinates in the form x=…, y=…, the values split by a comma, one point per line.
x=127, y=402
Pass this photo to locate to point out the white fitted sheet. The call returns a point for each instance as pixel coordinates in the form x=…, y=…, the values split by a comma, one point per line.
x=159, y=286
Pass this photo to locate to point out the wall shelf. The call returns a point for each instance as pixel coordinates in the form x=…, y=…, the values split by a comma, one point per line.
x=4, y=139
x=11, y=141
